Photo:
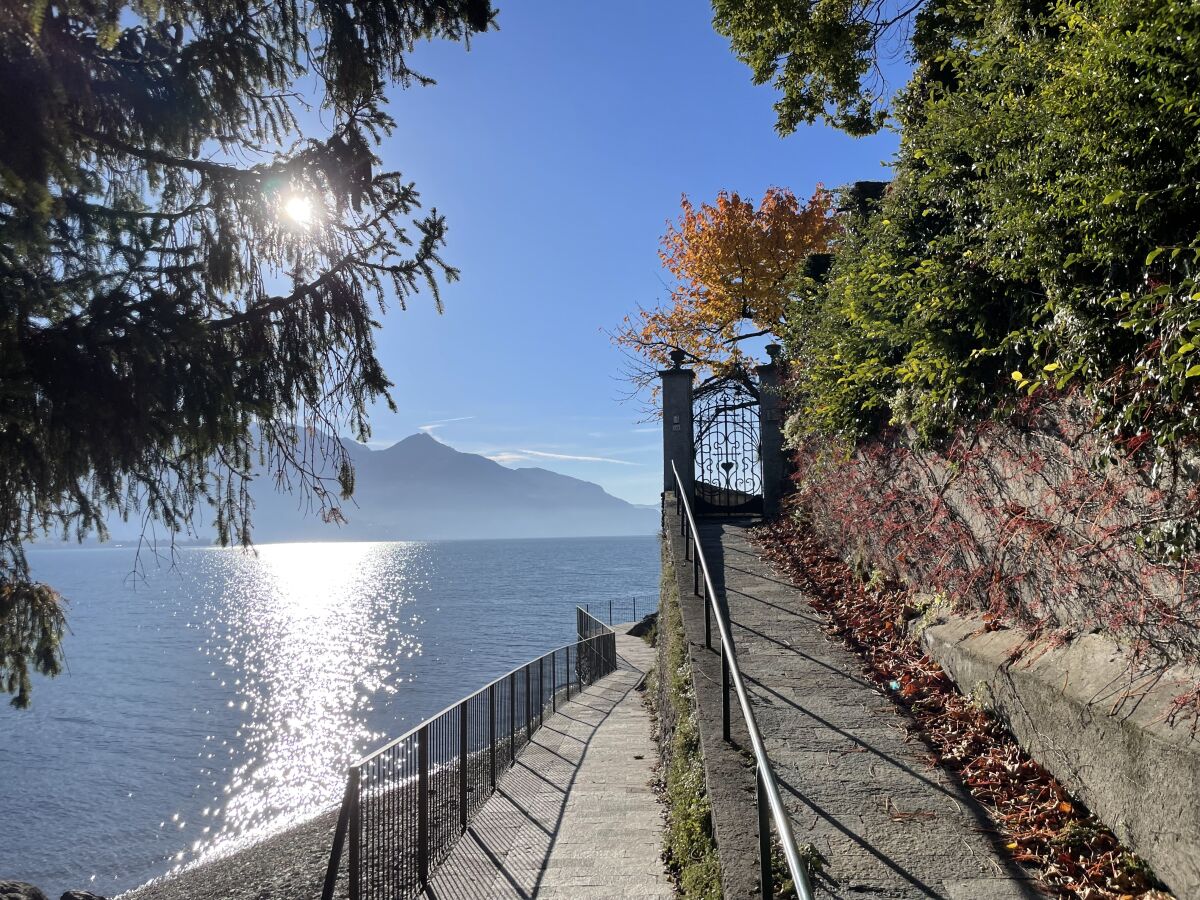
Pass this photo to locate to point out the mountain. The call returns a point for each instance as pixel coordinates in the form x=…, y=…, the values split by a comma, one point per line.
x=422, y=489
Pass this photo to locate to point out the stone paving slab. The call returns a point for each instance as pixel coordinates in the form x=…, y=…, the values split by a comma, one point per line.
x=860, y=785
x=577, y=816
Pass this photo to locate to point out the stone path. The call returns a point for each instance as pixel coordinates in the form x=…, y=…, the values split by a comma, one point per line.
x=860, y=785
x=576, y=817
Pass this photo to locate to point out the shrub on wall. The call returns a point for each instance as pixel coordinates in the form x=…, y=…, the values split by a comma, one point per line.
x=995, y=391
x=1042, y=229
x=689, y=848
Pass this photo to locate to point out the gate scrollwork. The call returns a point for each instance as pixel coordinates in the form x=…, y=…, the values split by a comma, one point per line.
x=728, y=447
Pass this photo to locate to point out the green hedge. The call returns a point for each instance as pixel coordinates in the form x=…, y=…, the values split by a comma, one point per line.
x=1041, y=230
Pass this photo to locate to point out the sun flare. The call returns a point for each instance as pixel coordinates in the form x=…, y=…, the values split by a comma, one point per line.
x=299, y=209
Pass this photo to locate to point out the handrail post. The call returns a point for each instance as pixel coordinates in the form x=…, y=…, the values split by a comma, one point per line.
x=462, y=767
x=554, y=681
x=339, y=834
x=707, y=622
x=766, y=881
x=355, y=834
x=492, y=731
x=423, y=806
x=568, y=671
x=725, y=651
x=528, y=705
x=541, y=691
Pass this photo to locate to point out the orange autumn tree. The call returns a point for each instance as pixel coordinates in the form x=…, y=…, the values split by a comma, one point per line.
x=731, y=264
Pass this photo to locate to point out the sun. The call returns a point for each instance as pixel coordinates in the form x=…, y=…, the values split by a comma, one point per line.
x=299, y=209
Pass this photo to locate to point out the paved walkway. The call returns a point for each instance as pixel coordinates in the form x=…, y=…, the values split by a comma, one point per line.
x=576, y=817
x=860, y=785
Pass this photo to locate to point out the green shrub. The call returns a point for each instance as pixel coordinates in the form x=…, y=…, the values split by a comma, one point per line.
x=1041, y=230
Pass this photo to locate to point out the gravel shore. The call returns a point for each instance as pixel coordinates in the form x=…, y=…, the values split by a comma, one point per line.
x=289, y=866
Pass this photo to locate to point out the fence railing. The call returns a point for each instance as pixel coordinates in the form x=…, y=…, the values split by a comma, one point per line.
x=768, y=801
x=621, y=609
x=407, y=803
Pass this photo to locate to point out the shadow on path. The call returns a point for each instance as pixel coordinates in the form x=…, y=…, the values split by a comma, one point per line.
x=540, y=832
x=853, y=783
x=498, y=839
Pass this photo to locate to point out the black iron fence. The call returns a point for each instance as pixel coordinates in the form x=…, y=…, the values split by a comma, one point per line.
x=407, y=803
x=622, y=609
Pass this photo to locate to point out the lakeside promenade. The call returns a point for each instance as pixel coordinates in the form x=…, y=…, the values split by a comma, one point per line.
x=575, y=817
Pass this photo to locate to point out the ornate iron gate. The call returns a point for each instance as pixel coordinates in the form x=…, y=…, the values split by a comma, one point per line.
x=728, y=447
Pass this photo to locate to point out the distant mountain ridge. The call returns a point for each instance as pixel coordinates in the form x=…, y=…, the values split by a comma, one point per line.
x=422, y=489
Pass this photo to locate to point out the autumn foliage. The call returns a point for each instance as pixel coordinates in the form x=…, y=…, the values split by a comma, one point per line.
x=731, y=263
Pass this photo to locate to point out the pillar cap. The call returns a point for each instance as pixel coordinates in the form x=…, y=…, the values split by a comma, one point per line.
x=677, y=357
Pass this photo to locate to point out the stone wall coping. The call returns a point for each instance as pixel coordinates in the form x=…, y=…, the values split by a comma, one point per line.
x=1097, y=724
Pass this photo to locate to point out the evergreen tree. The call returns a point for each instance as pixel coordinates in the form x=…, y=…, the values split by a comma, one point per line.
x=827, y=57
x=188, y=282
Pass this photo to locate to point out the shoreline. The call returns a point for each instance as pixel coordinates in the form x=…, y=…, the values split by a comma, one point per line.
x=289, y=864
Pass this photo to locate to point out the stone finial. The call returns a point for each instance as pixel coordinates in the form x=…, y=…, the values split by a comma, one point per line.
x=773, y=351
x=677, y=357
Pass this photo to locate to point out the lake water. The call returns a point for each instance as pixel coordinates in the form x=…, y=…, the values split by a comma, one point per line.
x=219, y=699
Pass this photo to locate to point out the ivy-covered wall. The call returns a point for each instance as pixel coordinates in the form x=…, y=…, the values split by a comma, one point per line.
x=1013, y=517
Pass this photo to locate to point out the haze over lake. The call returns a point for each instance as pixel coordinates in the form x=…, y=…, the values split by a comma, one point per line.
x=213, y=703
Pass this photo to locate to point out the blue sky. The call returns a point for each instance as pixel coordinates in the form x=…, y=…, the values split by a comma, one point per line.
x=557, y=148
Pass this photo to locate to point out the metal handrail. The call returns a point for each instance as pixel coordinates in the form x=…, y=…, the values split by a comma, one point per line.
x=732, y=674
x=390, y=791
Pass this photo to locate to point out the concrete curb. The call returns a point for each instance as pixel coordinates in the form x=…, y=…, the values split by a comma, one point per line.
x=1081, y=712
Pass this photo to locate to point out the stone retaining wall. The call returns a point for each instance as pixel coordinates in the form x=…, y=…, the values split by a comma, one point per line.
x=1080, y=712
x=1018, y=519
x=1015, y=524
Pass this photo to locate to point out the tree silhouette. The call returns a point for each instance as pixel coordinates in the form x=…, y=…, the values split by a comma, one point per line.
x=189, y=277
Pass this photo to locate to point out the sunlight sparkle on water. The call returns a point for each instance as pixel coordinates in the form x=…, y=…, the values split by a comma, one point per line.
x=309, y=639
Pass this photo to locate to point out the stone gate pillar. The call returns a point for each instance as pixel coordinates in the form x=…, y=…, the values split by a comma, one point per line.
x=677, y=424
x=770, y=410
